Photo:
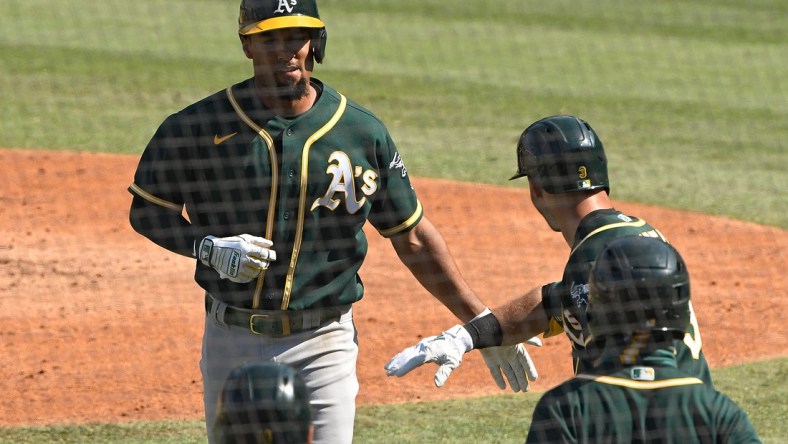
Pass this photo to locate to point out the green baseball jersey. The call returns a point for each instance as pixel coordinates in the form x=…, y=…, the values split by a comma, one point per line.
x=565, y=302
x=651, y=402
x=308, y=183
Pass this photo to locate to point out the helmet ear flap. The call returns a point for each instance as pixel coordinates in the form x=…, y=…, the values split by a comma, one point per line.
x=319, y=44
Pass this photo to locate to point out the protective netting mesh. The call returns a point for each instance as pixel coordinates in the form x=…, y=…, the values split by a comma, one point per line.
x=421, y=107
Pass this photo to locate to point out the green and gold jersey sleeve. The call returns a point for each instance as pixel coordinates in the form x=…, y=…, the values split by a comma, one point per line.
x=397, y=210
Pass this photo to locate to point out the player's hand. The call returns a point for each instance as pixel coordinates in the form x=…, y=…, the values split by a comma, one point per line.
x=515, y=364
x=446, y=350
x=237, y=258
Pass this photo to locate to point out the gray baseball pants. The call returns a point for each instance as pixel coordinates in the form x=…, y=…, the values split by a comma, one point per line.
x=326, y=358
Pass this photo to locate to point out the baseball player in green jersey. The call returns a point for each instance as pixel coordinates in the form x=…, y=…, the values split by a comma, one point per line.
x=638, y=306
x=277, y=176
x=566, y=166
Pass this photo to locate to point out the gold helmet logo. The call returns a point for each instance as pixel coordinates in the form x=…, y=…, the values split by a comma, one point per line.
x=582, y=172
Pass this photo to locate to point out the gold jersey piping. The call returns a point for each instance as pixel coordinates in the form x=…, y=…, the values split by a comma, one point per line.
x=302, y=198
x=155, y=200
x=635, y=224
x=640, y=385
x=269, y=142
x=416, y=214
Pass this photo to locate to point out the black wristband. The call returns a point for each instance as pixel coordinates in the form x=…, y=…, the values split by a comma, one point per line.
x=485, y=331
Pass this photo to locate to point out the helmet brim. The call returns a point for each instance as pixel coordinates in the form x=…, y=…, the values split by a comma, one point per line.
x=287, y=21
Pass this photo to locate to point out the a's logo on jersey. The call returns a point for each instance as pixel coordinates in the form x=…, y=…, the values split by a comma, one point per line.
x=579, y=294
x=398, y=163
x=286, y=6
x=343, y=183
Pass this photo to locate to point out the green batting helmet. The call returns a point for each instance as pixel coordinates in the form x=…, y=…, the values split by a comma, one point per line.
x=562, y=154
x=266, y=15
x=638, y=284
x=263, y=403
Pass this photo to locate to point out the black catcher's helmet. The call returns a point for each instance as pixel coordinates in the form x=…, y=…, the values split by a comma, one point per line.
x=638, y=284
x=266, y=15
x=562, y=154
x=263, y=403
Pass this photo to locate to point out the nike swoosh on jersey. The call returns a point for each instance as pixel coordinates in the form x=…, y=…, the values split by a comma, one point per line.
x=217, y=140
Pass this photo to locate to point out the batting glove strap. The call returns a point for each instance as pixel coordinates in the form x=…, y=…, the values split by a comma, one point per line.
x=485, y=331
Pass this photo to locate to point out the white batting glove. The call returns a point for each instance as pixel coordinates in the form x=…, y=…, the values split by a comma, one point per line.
x=446, y=350
x=237, y=258
x=514, y=362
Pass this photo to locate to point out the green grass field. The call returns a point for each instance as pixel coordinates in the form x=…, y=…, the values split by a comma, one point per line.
x=757, y=388
x=690, y=99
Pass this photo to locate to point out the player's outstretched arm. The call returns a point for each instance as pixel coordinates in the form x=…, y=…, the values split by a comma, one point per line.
x=447, y=350
x=522, y=318
x=510, y=363
x=424, y=251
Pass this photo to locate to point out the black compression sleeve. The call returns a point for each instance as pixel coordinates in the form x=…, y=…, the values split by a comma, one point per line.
x=485, y=331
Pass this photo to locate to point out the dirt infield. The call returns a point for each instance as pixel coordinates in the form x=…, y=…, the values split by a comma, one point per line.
x=97, y=324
